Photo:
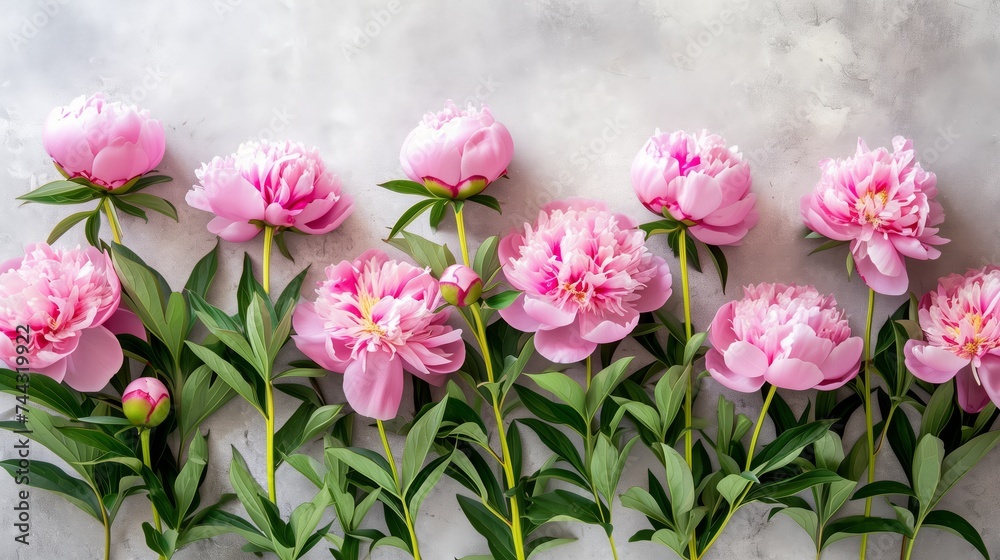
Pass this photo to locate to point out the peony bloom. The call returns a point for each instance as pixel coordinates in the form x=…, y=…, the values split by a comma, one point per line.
x=586, y=275
x=146, y=402
x=279, y=184
x=697, y=179
x=883, y=203
x=456, y=153
x=64, y=298
x=108, y=144
x=460, y=285
x=789, y=336
x=961, y=324
x=372, y=318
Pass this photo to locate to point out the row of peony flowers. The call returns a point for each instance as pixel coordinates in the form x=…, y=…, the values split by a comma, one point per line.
x=583, y=274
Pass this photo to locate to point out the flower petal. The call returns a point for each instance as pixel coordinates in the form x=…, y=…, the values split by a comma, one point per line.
x=563, y=345
x=930, y=363
x=95, y=361
x=716, y=366
x=745, y=359
x=794, y=374
x=373, y=385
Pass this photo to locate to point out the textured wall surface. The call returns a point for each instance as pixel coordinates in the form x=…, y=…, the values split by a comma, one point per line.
x=581, y=85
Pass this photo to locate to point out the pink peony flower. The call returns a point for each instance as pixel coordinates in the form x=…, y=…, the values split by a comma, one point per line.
x=961, y=324
x=789, y=336
x=146, y=402
x=371, y=318
x=280, y=184
x=63, y=298
x=883, y=203
x=586, y=275
x=460, y=285
x=697, y=179
x=108, y=144
x=456, y=153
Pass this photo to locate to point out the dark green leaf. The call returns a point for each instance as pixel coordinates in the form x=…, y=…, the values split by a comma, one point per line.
x=61, y=192
x=487, y=201
x=411, y=214
x=66, y=224
x=406, y=187
x=956, y=524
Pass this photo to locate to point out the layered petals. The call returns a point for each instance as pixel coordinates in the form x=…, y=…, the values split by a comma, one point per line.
x=789, y=336
x=372, y=318
x=278, y=184
x=585, y=274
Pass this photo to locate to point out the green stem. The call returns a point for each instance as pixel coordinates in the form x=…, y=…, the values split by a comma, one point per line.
x=753, y=446
x=105, y=521
x=689, y=390
x=589, y=454
x=909, y=543
x=144, y=438
x=395, y=477
x=268, y=241
x=614, y=550
x=463, y=243
x=869, y=426
x=479, y=331
x=116, y=227
x=272, y=492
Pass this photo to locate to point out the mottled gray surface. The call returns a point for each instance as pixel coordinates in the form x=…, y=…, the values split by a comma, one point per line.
x=581, y=85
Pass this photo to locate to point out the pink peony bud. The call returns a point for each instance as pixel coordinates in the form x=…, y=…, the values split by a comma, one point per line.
x=108, y=144
x=460, y=285
x=146, y=402
x=789, y=336
x=457, y=153
x=698, y=180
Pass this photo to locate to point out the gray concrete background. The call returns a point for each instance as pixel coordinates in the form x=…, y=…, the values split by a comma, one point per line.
x=581, y=85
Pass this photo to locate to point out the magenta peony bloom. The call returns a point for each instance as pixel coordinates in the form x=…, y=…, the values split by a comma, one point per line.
x=961, y=324
x=697, y=179
x=883, y=203
x=280, y=184
x=371, y=318
x=586, y=275
x=64, y=298
x=108, y=144
x=146, y=402
x=456, y=153
x=789, y=336
x=460, y=285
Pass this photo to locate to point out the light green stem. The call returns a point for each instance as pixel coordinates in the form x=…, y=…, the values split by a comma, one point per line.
x=144, y=439
x=689, y=390
x=268, y=241
x=869, y=426
x=462, y=242
x=113, y=223
x=589, y=454
x=395, y=477
x=272, y=491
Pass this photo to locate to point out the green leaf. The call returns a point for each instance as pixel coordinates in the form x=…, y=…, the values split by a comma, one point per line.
x=425, y=252
x=671, y=540
x=560, y=505
x=827, y=245
x=250, y=494
x=679, y=481
x=61, y=192
x=850, y=265
x=43, y=390
x=365, y=466
x=66, y=224
x=603, y=383
x=927, y=469
x=487, y=201
x=693, y=345
x=731, y=487
x=960, y=461
x=227, y=373
x=860, y=525
x=956, y=524
x=883, y=488
x=144, y=290
x=51, y=478
x=549, y=411
x=141, y=183
x=92, y=229
x=669, y=393
x=806, y=519
x=566, y=389
x=438, y=210
x=425, y=481
x=204, y=272
x=721, y=266
x=412, y=213
x=503, y=299
x=791, y=486
x=497, y=533
x=938, y=410
x=406, y=187
x=788, y=446
x=642, y=501
x=487, y=262
x=419, y=441
x=556, y=441
x=189, y=478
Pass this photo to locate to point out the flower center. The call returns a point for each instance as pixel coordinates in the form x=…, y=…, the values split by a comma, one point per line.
x=573, y=293
x=366, y=305
x=870, y=207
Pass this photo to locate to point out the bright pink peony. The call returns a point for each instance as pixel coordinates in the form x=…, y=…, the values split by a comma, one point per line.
x=371, y=318
x=961, y=324
x=106, y=143
x=456, y=153
x=789, y=336
x=460, y=285
x=883, y=203
x=64, y=297
x=146, y=402
x=281, y=184
x=586, y=275
x=696, y=178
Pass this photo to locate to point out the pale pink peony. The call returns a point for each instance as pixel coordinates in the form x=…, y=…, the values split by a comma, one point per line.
x=699, y=180
x=961, y=324
x=460, y=285
x=146, y=402
x=586, y=275
x=106, y=143
x=883, y=203
x=66, y=299
x=456, y=153
x=372, y=318
x=280, y=184
x=786, y=335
